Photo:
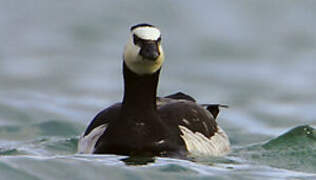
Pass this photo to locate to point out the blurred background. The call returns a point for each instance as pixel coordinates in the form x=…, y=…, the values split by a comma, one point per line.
x=60, y=62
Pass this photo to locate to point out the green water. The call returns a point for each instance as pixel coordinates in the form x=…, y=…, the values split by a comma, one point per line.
x=60, y=64
x=54, y=157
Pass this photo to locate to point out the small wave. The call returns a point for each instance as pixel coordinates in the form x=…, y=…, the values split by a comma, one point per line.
x=43, y=129
x=298, y=139
x=293, y=150
x=46, y=138
x=40, y=146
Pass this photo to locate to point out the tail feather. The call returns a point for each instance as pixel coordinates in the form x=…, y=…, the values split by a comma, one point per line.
x=214, y=108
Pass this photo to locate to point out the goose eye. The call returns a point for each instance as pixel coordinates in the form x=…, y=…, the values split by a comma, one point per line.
x=159, y=40
x=137, y=41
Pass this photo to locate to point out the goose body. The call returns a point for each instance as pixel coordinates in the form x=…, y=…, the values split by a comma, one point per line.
x=146, y=125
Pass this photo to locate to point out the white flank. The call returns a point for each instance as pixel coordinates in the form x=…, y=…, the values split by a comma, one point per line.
x=86, y=144
x=197, y=144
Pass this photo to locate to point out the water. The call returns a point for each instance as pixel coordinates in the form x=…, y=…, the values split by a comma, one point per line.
x=60, y=63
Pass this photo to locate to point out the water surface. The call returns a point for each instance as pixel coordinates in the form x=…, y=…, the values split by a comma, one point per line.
x=60, y=63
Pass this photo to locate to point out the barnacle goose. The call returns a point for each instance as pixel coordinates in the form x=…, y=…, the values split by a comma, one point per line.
x=146, y=125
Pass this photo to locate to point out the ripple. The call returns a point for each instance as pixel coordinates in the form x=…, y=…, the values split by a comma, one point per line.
x=294, y=150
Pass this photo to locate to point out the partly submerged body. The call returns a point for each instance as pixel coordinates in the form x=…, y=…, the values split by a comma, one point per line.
x=188, y=129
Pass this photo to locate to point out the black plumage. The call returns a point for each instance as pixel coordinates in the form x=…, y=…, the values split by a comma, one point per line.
x=138, y=124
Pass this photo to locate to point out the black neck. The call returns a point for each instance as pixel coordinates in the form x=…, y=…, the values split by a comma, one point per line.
x=139, y=91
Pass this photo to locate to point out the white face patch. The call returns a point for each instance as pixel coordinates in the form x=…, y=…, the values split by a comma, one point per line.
x=147, y=33
x=136, y=62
